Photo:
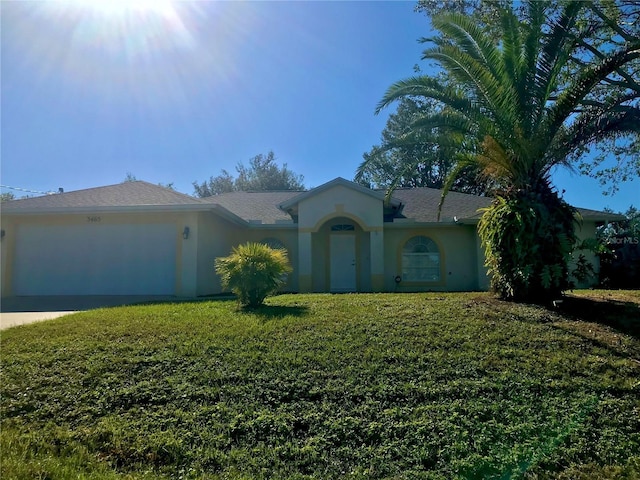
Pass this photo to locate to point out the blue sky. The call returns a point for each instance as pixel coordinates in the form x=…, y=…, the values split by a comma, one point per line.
x=175, y=92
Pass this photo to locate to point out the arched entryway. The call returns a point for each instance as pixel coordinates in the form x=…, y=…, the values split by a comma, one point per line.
x=341, y=257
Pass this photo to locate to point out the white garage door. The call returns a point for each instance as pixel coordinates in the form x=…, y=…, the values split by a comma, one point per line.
x=95, y=260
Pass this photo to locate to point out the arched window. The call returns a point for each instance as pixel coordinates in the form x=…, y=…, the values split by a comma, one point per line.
x=274, y=243
x=343, y=228
x=420, y=260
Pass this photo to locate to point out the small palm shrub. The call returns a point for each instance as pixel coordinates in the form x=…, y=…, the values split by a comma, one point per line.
x=528, y=239
x=253, y=271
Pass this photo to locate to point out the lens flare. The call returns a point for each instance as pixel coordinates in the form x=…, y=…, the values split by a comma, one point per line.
x=126, y=31
x=152, y=54
x=111, y=52
x=118, y=7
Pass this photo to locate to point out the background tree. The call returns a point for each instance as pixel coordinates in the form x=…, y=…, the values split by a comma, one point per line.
x=130, y=177
x=410, y=158
x=520, y=115
x=486, y=13
x=627, y=228
x=223, y=183
x=620, y=263
x=263, y=173
x=7, y=196
x=610, y=25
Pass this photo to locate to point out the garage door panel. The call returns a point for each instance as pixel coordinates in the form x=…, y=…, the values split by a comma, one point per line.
x=95, y=260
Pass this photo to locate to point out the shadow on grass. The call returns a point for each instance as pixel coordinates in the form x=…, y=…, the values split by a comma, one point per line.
x=621, y=316
x=274, y=312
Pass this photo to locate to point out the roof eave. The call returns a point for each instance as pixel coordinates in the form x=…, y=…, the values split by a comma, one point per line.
x=421, y=223
x=272, y=226
x=602, y=217
x=105, y=208
x=220, y=210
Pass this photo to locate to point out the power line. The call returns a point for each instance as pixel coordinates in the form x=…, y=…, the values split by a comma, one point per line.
x=27, y=190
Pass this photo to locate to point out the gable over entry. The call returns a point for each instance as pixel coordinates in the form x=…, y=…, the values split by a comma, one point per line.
x=354, y=258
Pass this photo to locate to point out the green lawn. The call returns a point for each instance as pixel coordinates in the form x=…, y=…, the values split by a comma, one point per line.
x=327, y=386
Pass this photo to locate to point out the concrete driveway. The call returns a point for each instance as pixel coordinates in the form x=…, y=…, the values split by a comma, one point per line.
x=24, y=310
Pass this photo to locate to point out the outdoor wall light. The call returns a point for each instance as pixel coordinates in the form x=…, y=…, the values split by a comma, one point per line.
x=2, y=233
x=185, y=233
x=398, y=279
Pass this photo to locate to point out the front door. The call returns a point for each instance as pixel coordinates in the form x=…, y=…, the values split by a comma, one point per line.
x=343, y=262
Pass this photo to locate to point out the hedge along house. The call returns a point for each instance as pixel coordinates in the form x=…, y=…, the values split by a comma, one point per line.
x=136, y=238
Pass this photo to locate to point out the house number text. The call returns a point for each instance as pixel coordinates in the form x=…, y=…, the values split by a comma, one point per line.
x=93, y=219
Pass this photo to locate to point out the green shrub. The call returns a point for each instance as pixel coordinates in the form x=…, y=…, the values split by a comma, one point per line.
x=253, y=271
x=528, y=239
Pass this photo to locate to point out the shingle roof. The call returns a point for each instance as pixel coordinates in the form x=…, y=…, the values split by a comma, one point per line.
x=598, y=215
x=255, y=205
x=421, y=204
x=125, y=194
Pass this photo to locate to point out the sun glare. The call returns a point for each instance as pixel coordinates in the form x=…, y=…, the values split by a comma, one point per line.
x=114, y=8
x=148, y=51
x=125, y=29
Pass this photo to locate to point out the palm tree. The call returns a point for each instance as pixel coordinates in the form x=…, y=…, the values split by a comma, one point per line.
x=521, y=116
x=253, y=271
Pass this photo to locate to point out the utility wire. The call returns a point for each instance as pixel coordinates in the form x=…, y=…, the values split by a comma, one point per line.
x=26, y=190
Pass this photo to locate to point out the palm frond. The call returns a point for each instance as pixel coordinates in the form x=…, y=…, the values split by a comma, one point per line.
x=470, y=39
x=426, y=87
x=555, y=50
x=491, y=95
x=532, y=103
x=463, y=162
x=592, y=127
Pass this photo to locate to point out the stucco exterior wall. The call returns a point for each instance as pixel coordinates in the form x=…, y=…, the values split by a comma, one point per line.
x=341, y=201
x=458, y=257
x=483, y=271
x=7, y=243
x=289, y=238
x=215, y=239
x=584, y=231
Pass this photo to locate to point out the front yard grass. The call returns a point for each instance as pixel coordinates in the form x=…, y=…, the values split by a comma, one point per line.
x=433, y=386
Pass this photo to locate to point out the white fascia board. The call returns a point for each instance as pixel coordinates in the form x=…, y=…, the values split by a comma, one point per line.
x=601, y=217
x=468, y=221
x=223, y=212
x=273, y=226
x=108, y=209
x=590, y=216
x=406, y=225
